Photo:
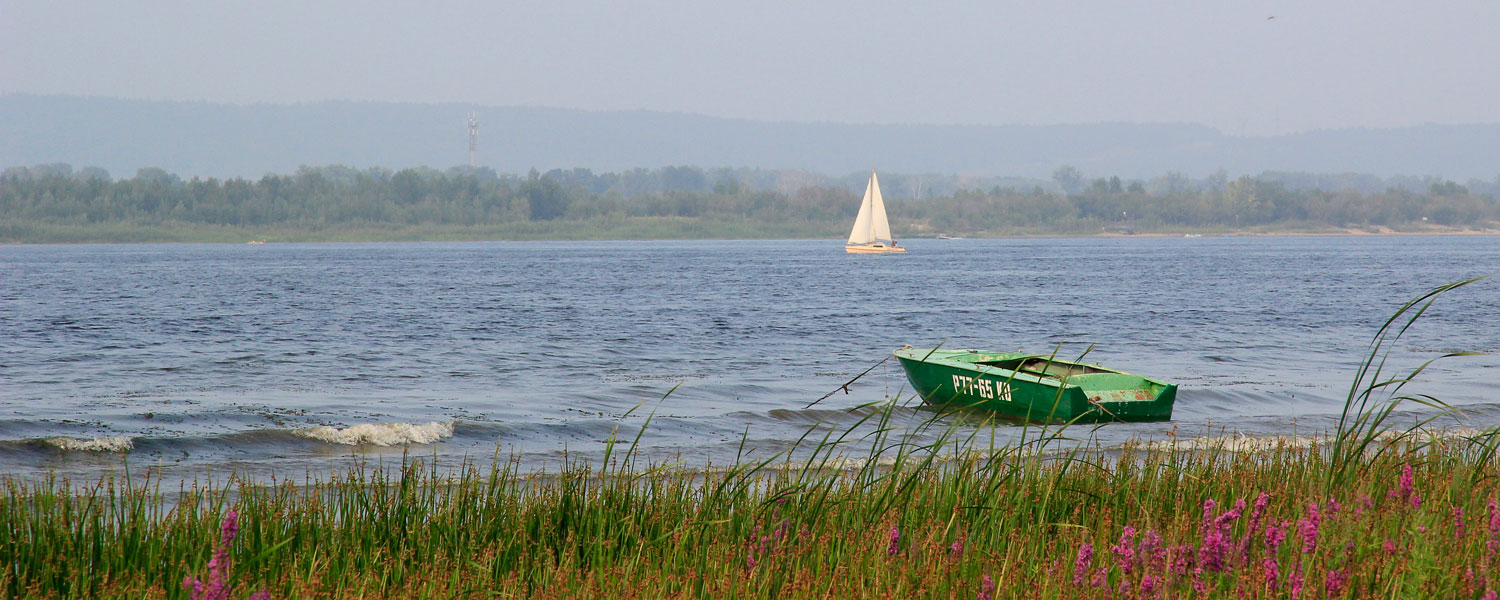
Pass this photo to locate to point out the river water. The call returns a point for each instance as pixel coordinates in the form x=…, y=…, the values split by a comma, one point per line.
x=291, y=360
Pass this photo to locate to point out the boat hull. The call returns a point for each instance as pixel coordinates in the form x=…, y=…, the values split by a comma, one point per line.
x=874, y=248
x=1035, y=388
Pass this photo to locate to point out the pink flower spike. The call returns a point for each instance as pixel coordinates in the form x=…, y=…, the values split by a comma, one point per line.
x=1334, y=582
x=1272, y=572
x=1275, y=534
x=986, y=588
x=231, y=526
x=1308, y=529
x=895, y=541
x=1153, y=552
x=1124, y=551
x=1405, y=487
x=1149, y=585
x=1494, y=519
x=1081, y=564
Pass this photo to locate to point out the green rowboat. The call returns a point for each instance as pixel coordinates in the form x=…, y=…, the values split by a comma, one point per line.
x=1035, y=387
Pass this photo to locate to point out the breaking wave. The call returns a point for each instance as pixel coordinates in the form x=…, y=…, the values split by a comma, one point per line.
x=120, y=443
x=381, y=434
x=1261, y=443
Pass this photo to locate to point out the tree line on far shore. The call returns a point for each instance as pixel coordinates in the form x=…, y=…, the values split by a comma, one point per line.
x=799, y=203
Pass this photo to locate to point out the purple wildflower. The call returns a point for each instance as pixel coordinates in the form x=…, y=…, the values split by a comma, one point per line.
x=1494, y=519
x=1333, y=508
x=218, y=587
x=1405, y=490
x=1458, y=522
x=230, y=527
x=1081, y=564
x=1153, y=555
x=895, y=544
x=1307, y=527
x=1216, y=538
x=1389, y=546
x=1124, y=551
x=1182, y=560
x=1208, y=513
x=1256, y=513
x=1149, y=586
x=957, y=549
x=1271, y=571
x=986, y=588
x=1295, y=579
x=1230, y=515
x=1274, y=536
x=1489, y=594
x=1334, y=582
x=1211, y=555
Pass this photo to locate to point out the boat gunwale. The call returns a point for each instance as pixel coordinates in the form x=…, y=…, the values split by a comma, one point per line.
x=930, y=355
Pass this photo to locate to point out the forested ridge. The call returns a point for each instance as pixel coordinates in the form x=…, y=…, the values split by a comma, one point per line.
x=54, y=203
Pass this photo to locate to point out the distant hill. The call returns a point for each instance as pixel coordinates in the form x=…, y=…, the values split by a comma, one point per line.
x=221, y=140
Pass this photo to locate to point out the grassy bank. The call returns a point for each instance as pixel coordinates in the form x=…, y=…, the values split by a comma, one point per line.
x=1141, y=521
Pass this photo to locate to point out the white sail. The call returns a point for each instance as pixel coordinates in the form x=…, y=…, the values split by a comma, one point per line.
x=872, y=231
x=864, y=231
x=880, y=225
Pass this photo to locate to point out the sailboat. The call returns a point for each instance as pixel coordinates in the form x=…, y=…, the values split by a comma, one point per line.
x=872, y=231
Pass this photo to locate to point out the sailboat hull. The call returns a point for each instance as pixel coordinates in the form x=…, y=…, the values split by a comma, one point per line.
x=875, y=248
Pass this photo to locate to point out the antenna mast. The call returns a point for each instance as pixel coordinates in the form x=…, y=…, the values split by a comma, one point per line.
x=473, y=137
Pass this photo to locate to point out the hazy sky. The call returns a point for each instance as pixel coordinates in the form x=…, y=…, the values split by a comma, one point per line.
x=1225, y=64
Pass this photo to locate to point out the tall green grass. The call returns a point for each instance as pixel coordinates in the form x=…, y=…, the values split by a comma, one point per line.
x=885, y=507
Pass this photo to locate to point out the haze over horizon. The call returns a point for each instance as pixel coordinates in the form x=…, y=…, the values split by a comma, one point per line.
x=1251, y=69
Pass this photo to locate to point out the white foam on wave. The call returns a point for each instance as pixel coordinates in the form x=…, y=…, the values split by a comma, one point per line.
x=381, y=434
x=1235, y=443
x=119, y=443
x=1254, y=443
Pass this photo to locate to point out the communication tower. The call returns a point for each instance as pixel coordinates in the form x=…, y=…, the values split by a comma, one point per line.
x=473, y=138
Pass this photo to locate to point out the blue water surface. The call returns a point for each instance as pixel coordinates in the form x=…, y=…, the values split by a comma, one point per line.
x=218, y=358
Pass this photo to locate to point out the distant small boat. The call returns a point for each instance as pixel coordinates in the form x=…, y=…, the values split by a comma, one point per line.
x=255, y=242
x=872, y=231
x=1035, y=387
x=944, y=236
x=1193, y=235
